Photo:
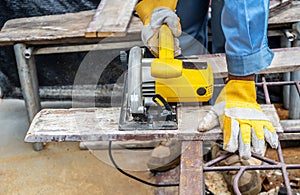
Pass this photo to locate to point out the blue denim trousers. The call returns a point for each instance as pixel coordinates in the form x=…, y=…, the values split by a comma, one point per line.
x=244, y=24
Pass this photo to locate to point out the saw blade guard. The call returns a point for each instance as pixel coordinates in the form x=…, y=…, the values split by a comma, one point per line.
x=135, y=100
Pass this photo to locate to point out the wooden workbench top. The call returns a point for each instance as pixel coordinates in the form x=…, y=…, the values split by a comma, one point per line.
x=101, y=124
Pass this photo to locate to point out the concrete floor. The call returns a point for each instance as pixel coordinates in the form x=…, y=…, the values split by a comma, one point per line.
x=61, y=168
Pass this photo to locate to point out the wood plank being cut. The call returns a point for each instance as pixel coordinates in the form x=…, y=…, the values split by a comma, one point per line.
x=111, y=18
x=102, y=124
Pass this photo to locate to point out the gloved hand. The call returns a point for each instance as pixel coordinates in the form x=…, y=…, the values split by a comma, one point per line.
x=155, y=13
x=241, y=119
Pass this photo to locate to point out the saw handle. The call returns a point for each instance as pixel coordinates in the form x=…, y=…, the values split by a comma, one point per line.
x=166, y=43
x=165, y=66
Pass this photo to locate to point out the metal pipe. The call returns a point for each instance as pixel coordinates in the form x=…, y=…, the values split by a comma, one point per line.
x=294, y=111
x=288, y=35
x=87, y=47
x=285, y=43
x=286, y=90
x=28, y=80
x=277, y=83
x=29, y=83
x=267, y=97
x=27, y=52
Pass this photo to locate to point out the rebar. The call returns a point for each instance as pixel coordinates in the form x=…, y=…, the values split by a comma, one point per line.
x=269, y=164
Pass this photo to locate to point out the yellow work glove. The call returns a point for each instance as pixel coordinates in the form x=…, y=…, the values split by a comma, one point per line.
x=241, y=120
x=155, y=13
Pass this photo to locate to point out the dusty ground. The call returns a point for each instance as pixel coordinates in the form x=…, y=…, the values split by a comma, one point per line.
x=61, y=168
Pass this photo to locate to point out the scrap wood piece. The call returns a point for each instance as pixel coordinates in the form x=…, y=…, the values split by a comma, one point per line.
x=111, y=19
x=60, y=28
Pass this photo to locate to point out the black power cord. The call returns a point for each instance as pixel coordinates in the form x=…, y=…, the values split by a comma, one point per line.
x=207, y=191
x=132, y=176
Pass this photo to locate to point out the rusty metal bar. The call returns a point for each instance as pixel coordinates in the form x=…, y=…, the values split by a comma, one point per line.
x=283, y=170
x=236, y=181
x=191, y=171
x=264, y=159
x=251, y=167
x=272, y=164
x=218, y=159
x=266, y=92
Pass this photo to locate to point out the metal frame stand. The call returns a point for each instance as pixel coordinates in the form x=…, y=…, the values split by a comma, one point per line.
x=291, y=99
x=29, y=83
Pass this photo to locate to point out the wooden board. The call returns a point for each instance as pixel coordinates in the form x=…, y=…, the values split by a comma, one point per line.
x=111, y=18
x=285, y=60
x=46, y=28
x=289, y=15
x=56, y=29
x=101, y=124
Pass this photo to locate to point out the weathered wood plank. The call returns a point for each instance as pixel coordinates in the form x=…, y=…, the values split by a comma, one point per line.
x=53, y=27
x=111, y=18
x=101, y=124
x=289, y=15
x=285, y=60
x=56, y=29
x=191, y=166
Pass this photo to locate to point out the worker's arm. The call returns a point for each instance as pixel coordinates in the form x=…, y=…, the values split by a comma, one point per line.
x=244, y=124
x=153, y=14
